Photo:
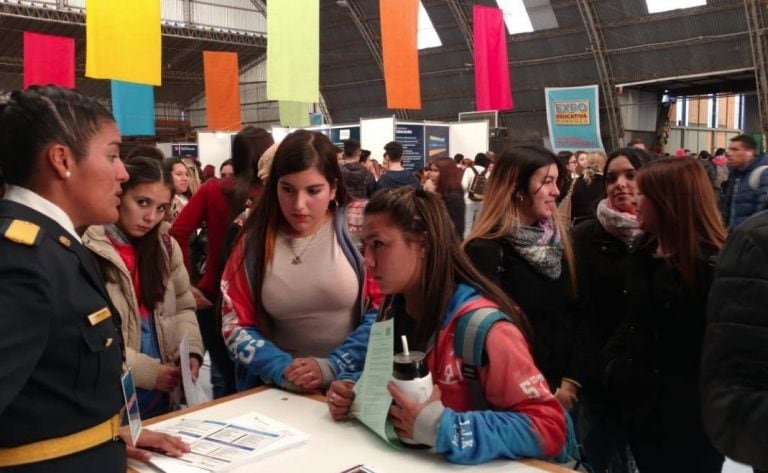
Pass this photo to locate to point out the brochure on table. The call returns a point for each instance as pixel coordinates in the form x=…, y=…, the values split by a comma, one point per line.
x=220, y=446
x=193, y=392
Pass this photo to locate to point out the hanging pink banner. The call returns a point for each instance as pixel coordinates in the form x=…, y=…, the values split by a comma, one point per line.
x=49, y=60
x=493, y=89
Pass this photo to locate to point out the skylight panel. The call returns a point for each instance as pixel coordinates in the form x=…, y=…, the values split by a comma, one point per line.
x=515, y=16
x=657, y=6
x=426, y=35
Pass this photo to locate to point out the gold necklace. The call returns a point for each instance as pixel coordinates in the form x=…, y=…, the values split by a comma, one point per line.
x=297, y=257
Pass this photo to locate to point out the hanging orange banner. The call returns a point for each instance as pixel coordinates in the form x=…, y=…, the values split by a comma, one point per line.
x=399, y=22
x=222, y=90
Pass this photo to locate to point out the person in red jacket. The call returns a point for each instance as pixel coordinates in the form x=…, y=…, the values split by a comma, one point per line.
x=215, y=205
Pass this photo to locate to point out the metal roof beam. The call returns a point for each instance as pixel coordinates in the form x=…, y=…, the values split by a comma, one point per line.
x=77, y=17
x=260, y=5
x=604, y=72
x=757, y=24
x=463, y=20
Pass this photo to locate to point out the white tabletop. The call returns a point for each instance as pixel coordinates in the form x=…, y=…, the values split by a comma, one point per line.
x=333, y=446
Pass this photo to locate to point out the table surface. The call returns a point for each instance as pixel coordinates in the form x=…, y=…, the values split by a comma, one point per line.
x=332, y=446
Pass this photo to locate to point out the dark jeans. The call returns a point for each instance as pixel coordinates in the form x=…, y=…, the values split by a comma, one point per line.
x=222, y=368
x=603, y=438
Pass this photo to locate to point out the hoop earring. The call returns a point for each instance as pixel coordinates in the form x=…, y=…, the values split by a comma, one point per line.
x=520, y=198
x=333, y=205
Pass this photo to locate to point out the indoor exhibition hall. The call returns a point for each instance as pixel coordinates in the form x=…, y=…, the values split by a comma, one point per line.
x=368, y=236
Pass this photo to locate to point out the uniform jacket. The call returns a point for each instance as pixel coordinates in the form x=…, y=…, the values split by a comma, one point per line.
x=60, y=372
x=523, y=418
x=548, y=304
x=741, y=201
x=734, y=373
x=256, y=358
x=173, y=318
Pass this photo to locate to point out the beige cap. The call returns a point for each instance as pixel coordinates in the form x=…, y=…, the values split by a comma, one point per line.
x=265, y=162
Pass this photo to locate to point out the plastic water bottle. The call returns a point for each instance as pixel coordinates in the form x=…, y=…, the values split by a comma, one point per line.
x=411, y=376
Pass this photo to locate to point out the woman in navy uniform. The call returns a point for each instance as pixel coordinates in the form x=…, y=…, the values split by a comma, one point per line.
x=60, y=388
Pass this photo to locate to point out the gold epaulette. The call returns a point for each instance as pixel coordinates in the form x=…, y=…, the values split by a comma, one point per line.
x=21, y=232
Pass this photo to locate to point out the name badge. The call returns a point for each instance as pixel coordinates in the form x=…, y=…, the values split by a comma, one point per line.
x=131, y=405
x=99, y=316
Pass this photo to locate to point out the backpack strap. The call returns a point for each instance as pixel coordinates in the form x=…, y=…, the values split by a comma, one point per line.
x=469, y=344
x=755, y=177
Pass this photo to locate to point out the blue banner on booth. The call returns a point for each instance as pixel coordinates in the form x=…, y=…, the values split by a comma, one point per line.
x=411, y=136
x=133, y=106
x=185, y=150
x=437, y=141
x=573, y=117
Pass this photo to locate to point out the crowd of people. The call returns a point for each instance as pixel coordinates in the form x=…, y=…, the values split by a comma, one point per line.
x=622, y=291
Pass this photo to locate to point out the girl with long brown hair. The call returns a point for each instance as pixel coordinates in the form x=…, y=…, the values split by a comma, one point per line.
x=446, y=179
x=652, y=362
x=519, y=242
x=294, y=297
x=601, y=245
x=213, y=208
x=431, y=286
x=145, y=277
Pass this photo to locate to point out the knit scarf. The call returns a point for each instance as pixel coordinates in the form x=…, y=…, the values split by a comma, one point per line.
x=541, y=246
x=621, y=225
x=117, y=235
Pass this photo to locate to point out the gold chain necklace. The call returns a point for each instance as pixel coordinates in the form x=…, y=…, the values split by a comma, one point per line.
x=297, y=256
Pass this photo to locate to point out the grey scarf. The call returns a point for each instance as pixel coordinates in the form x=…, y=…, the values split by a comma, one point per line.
x=621, y=225
x=541, y=246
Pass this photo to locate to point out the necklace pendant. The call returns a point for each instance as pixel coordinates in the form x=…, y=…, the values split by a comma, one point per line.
x=296, y=260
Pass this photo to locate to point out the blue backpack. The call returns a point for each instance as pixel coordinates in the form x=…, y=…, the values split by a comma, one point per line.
x=469, y=345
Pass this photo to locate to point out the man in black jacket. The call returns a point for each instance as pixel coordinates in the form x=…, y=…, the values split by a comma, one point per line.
x=734, y=373
x=358, y=180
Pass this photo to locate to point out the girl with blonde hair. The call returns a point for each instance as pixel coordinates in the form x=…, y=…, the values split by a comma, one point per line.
x=519, y=242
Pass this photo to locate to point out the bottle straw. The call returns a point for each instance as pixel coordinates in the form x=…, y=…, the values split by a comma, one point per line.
x=404, y=339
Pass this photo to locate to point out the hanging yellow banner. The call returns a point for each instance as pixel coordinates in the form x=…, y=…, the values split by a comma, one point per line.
x=123, y=40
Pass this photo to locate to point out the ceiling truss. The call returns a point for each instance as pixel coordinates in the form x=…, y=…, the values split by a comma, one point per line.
x=757, y=24
x=607, y=81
